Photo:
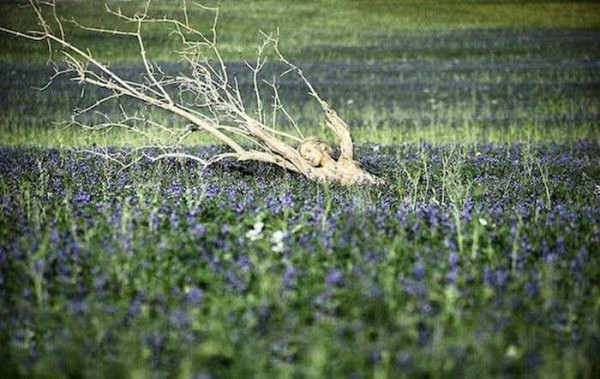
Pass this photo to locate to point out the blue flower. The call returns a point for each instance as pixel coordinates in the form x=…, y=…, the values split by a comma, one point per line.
x=419, y=271
x=78, y=307
x=334, y=277
x=179, y=318
x=289, y=277
x=195, y=296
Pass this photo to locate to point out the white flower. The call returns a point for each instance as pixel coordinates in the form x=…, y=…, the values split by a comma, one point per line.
x=278, y=236
x=483, y=221
x=277, y=241
x=512, y=351
x=256, y=232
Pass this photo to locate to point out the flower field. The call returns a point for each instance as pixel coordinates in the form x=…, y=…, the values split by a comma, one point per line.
x=479, y=257
x=439, y=87
x=474, y=259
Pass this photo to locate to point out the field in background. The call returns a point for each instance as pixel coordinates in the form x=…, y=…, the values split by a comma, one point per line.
x=448, y=87
x=477, y=258
x=408, y=72
x=302, y=25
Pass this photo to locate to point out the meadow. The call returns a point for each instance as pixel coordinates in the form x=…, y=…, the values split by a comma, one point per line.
x=479, y=257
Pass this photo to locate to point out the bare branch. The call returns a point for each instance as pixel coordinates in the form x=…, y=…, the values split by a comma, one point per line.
x=208, y=100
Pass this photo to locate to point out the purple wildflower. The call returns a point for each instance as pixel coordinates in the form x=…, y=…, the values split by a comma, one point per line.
x=179, y=318
x=334, y=277
x=78, y=307
x=195, y=296
x=289, y=277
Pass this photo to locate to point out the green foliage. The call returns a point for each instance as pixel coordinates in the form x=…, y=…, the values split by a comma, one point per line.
x=392, y=76
x=303, y=24
x=473, y=260
x=478, y=258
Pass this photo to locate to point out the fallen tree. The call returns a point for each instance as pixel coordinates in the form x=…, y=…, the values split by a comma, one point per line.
x=207, y=100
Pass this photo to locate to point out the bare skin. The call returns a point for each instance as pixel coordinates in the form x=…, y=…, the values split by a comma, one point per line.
x=317, y=152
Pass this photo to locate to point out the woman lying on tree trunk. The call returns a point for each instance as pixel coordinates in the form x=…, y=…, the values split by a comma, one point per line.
x=208, y=100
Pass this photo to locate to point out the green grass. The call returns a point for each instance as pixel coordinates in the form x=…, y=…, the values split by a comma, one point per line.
x=302, y=24
x=477, y=259
x=68, y=137
x=472, y=261
x=400, y=72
